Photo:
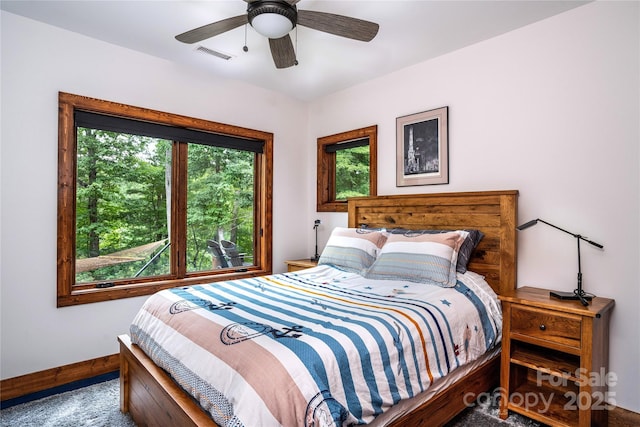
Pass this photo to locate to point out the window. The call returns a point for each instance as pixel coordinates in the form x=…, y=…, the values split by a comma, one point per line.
x=347, y=167
x=149, y=200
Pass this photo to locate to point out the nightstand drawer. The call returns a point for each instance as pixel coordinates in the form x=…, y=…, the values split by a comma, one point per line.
x=547, y=325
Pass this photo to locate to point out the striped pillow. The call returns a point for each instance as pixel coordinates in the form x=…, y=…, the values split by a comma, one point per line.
x=421, y=258
x=352, y=249
x=466, y=249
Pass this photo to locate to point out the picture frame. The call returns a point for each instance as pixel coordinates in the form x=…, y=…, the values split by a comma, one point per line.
x=422, y=148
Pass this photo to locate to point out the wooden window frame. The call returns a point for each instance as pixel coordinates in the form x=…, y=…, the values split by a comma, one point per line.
x=68, y=292
x=326, y=191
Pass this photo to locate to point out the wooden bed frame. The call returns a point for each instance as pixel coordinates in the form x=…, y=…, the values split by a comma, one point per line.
x=153, y=398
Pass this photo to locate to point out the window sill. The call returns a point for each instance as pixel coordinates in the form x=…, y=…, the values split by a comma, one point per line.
x=84, y=295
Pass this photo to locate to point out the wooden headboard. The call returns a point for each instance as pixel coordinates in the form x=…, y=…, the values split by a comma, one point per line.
x=492, y=212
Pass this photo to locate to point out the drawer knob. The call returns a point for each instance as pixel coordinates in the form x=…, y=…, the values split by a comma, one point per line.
x=543, y=327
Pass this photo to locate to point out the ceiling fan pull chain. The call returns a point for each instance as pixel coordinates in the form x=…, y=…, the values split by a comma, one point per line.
x=245, y=48
x=295, y=61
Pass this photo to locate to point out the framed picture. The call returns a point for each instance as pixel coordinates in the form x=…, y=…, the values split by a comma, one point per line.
x=422, y=148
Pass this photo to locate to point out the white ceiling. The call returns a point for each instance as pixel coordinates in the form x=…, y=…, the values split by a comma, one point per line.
x=410, y=32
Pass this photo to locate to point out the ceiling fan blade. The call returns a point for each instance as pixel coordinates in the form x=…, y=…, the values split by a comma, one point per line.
x=338, y=25
x=210, y=30
x=282, y=51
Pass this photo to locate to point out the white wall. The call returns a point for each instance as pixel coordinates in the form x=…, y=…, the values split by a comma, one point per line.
x=551, y=110
x=38, y=61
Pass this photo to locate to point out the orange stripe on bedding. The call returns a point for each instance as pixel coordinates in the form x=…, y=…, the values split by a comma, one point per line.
x=362, y=304
x=205, y=333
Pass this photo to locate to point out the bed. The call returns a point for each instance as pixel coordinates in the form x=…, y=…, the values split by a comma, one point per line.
x=153, y=397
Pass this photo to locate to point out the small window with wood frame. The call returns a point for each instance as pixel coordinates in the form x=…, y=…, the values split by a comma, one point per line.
x=347, y=167
x=149, y=200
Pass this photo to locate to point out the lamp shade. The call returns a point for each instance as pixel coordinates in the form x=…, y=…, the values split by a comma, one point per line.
x=272, y=19
x=579, y=293
x=272, y=25
x=527, y=224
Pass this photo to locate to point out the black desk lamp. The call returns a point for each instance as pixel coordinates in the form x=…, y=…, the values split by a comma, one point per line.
x=578, y=293
x=316, y=223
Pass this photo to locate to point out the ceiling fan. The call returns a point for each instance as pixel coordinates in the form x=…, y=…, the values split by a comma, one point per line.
x=275, y=19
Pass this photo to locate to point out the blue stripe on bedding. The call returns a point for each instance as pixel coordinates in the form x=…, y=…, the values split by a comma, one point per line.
x=408, y=303
x=369, y=313
x=301, y=349
x=286, y=296
x=418, y=307
x=364, y=350
x=295, y=302
x=310, y=306
x=306, y=353
x=489, y=334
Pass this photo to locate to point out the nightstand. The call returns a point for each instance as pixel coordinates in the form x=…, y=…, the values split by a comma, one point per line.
x=300, y=264
x=555, y=357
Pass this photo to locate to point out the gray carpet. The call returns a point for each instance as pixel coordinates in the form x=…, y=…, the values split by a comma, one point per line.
x=95, y=406
x=98, y=406
x=485, y=414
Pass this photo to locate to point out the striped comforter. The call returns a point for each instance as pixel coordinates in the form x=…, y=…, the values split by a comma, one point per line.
x=317, y=347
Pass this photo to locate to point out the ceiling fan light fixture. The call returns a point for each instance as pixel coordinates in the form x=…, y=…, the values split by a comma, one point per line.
x=272, y=19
